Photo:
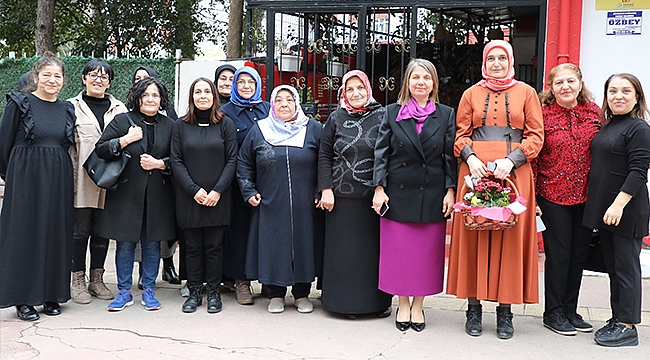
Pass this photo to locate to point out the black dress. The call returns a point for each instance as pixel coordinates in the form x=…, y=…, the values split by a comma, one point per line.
x=36, y=220
x=351, y=255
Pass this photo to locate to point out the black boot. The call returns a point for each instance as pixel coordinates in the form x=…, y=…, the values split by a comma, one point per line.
x=194, y=300
x=505, y=329
x=140, y=286
x=214, y=299
x=169, y=273
x=474, y=323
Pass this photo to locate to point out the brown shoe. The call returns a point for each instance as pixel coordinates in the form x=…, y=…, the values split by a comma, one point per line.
x=243, y=292
x=97, y=288
x=78, y=291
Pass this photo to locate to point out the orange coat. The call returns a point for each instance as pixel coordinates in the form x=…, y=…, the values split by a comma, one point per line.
x=500, y=265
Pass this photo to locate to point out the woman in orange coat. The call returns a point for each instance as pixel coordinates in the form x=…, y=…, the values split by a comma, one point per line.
x=499, y=120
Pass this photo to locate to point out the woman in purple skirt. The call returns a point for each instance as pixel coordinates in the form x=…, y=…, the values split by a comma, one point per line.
x=415, y=173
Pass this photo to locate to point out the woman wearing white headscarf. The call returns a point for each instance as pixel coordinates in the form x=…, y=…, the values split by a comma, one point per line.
x=277, y=173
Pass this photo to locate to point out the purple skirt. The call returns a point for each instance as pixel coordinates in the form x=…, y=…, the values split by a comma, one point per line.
x=411, y=257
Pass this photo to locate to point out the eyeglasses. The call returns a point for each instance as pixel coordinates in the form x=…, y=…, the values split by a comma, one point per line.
x=242, y=83
x=94, y=76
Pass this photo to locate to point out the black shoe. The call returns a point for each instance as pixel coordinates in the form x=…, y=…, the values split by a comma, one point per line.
x=608, y=326
x=559, y=323
x=52, y=308
x=419, y=326
x=505, y=329
x=214, y=299
x=619, y=335
x=579, y=323
x=194, y=300
x=401, y=325
x=26, y=313
x=227, y=286
x=474, y=322
x=140, y=286
x=169, y=273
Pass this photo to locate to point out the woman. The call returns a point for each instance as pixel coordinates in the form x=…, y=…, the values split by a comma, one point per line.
x=345, y=165
x=617, y=202
x=36, y=220
x=277, y=170
x=245, y=108
x=223, y=77
x=204, y=158
x=141, y=210
x=499, y=121
x=415, y=173
x=570, y=124
x=94, y=109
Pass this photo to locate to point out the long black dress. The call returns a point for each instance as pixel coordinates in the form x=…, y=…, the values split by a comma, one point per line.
x=36, y=220
x=351, y=254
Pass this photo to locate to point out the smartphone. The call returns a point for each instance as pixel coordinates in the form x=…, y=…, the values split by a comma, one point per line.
x=384, y=208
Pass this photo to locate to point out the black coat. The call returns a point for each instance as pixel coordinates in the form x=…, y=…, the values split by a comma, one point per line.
x=122, y=216
x=416, y=170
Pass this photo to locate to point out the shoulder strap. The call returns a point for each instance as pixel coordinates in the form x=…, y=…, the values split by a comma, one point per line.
x=128, y=116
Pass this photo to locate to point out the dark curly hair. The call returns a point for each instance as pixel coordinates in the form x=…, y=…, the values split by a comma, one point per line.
x=136, y=91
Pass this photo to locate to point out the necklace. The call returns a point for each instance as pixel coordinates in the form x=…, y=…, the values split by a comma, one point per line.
x=148, y=123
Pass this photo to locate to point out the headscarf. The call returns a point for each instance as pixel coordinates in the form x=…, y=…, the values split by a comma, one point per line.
x=344, y=99
x=506, y=82
x=414, y=111
x=149, y=71
x=235, y=98
x=223, y=99
x=280, y=133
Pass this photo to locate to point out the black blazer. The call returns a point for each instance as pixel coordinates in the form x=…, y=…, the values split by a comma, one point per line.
x=416, y=170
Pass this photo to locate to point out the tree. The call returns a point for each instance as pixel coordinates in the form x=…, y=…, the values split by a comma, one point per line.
x=44, y=27
x=235, y=29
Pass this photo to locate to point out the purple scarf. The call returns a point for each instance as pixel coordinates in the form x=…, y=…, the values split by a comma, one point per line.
x=414, y=111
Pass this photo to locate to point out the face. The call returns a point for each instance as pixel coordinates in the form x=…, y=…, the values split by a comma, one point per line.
x=49, y=81
x=284, y=105
x=96, y=82
x=496, y=63
x=150, y=100
x=141, y=74
x=224, y=82
x=566, y=88
x=356, y=92
x=246, y=86
x=621, y=96
x=420, y=83
x=202, y=95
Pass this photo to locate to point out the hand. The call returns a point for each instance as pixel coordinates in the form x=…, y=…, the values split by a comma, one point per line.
x=379, y=199
x=503, y=168
x=613, y=215
x=448, y=202
x=255, y=200
x=327, y=200
x=148, y=163
x=200, y=195
x=212, y=199
x=538, y=211
x=476, y=167
x=134, y=134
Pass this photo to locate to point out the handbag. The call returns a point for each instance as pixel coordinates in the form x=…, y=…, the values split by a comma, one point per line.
x=105, y=173
x=595, y=260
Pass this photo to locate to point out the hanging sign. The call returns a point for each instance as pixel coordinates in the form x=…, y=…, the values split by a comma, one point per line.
x=622, y=4
x=624, y=22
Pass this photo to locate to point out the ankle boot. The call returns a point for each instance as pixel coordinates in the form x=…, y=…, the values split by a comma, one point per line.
x=194, y=300
x=78, y=291
x=97, y=287
x=140, y=286
x=169, y=273
x=505, y=329
x=214, y=299
x=474, y=322
x=243, y=292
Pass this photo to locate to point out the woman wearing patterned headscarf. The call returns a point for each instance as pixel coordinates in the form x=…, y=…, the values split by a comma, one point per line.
x=245, y=108
x=345, y=165
x=500, y=121
x=277, y=170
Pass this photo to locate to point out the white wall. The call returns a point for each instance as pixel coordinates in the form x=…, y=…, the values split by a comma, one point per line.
x=602, y=55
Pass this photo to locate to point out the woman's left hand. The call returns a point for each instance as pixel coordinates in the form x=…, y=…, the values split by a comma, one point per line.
x=148, y=163
x=503, y=168
x=212, y=198
x=448, y=202
x=613, y=215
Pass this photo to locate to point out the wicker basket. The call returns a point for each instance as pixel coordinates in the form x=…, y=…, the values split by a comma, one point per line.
x=480, y=223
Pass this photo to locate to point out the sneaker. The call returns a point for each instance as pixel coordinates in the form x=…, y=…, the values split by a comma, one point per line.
x=276, y=306
x=559, y=323
x=123, y=299
x=185, y=291
x=619, y=335
x=578, y=323
x=608, y=326
x=304, y=306
x=149, y=300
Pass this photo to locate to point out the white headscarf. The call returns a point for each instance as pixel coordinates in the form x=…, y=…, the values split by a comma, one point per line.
x=280, y=133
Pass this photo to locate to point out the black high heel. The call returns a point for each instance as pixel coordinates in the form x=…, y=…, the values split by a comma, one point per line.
x=401, y=325
x=419, y=326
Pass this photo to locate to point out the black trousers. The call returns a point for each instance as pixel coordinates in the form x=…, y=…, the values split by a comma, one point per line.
x=84, y=220
x=298, y=290
x=204, y=255
x=624, y=267
x=566, y=244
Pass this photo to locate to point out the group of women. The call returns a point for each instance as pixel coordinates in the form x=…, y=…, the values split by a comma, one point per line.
x=253, y=180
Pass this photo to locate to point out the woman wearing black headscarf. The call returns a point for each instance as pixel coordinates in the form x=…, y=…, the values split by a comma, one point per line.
x=223, y=78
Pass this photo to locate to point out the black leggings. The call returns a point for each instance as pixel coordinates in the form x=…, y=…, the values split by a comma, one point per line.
x=84, y=218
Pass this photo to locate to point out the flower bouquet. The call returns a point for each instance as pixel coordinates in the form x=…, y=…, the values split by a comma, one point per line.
x=489, y=205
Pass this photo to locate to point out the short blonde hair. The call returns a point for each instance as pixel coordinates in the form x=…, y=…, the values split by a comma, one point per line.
x=405, y=94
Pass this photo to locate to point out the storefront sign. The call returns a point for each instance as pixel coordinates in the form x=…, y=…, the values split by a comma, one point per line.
x=624, y=22
x=622, y=4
